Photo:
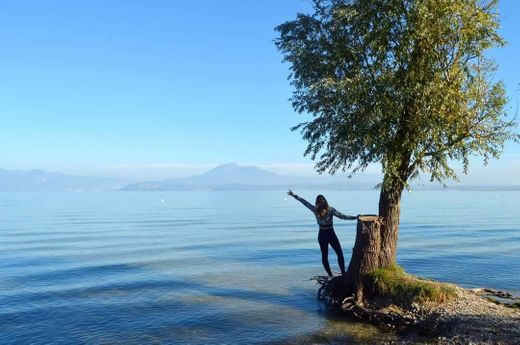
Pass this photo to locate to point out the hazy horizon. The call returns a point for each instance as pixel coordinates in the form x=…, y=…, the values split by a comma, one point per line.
x=482, y=176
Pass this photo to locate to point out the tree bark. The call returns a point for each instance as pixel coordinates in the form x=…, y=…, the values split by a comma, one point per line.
x=389, y=211
x=365, y=254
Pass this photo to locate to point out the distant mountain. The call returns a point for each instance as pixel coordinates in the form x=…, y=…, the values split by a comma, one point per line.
x=237, y=177
x=40, y=180
x=223, y=177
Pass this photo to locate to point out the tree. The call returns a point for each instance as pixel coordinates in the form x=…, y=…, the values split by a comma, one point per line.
x=401, y=82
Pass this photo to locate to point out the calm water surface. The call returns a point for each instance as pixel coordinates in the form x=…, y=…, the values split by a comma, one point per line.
x=220, y=267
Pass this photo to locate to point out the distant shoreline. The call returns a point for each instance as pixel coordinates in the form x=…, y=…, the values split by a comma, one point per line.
x=330, y=188
x=272, y=189
x=231, y=177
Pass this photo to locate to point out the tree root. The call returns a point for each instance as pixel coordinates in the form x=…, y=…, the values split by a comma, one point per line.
x=338, y=296
x=388, y=320
x=332, y=291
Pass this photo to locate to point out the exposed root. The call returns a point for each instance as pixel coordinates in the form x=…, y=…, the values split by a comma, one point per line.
x=333, y=291
x=336, y=295
x=385, y=318
x=467, y=313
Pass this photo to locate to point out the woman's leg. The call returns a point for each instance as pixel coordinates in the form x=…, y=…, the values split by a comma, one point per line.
x=323, y=240
x=334, y=243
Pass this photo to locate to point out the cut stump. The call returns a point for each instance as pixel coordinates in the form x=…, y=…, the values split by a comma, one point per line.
x=365, y=254
x=352, y=285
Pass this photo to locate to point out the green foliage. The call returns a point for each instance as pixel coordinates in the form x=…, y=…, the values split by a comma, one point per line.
x=401, y=82
x=393, y=282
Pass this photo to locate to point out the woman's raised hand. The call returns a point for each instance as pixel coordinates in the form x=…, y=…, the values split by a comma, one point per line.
x=290, y=193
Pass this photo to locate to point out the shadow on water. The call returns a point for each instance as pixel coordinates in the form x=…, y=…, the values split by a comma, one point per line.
x=135, y=303
x=151, y=307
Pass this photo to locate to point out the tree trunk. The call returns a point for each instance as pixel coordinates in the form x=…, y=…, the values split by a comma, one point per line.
x=389, y=211
x=365, y=254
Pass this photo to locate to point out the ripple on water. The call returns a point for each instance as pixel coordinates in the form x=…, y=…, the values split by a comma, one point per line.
x=225, y=267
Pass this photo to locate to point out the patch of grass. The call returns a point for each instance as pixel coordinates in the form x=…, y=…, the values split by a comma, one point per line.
x=395, y=283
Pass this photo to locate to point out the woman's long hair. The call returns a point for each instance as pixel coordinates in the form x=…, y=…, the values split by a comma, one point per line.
x=322, y=206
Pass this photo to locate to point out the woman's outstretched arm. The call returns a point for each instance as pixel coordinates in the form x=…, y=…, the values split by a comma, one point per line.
x=303, y=201
x=341, y=215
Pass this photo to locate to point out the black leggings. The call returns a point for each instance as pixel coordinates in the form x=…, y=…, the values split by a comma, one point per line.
x=326, y=237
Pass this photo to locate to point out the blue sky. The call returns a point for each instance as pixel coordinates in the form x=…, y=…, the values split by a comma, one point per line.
x=152, y=89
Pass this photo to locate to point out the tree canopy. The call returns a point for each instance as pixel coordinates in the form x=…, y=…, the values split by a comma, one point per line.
x=401, y=82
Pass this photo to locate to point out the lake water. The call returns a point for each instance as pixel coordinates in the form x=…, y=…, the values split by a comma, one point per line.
x=220, y=267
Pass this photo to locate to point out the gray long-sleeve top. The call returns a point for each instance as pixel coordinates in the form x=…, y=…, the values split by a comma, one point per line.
x=325, y=223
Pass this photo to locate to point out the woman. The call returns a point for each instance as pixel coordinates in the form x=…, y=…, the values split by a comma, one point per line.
x=324, y=214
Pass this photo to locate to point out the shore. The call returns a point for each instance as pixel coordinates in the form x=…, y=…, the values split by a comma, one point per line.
x=472, y=317
x=469, y=318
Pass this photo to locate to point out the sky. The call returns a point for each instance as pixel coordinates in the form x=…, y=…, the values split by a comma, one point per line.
x=158, y=89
